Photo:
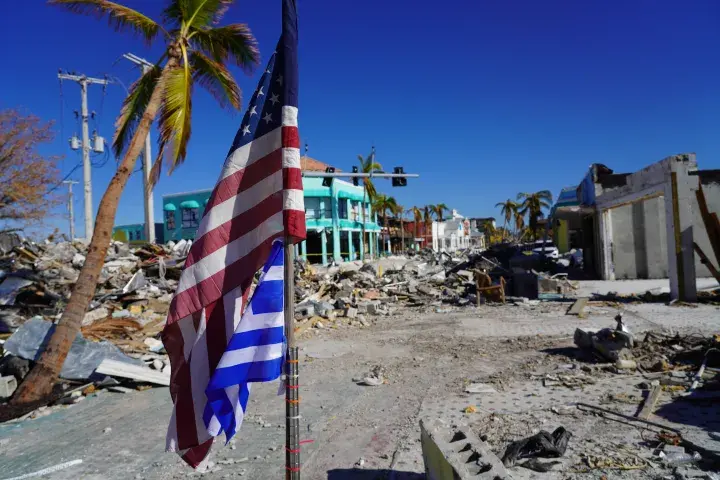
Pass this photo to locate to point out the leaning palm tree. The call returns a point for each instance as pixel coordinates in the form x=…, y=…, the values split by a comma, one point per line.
x=368, y=165
x=439, y=210
x=533, y=204
x=196, y=51
x=508, y=209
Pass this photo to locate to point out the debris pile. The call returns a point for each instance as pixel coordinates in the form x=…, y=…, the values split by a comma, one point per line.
x=119, y=337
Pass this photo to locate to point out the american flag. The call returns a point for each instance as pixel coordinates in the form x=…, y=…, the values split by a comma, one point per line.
x=257, y=199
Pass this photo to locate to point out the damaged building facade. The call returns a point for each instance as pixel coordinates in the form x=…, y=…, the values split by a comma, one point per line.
x=641, y=225
x=333, y=214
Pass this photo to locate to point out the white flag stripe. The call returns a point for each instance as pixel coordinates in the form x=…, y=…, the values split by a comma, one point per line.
x=274, y=273
x=257, y=353
x=200, y=375
x=230, y=253
x=293, y=200
x=259, y=320
x=189, y=334
x=240, y=203
x=291, y=158
x=232, y=302
x=289, y=116
x=171, y=438
x=252, y=152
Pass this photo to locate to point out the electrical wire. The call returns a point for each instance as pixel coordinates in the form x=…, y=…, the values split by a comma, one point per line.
x=64, y=178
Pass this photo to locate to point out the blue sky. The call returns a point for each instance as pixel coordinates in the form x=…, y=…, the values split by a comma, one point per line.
x=484, y=99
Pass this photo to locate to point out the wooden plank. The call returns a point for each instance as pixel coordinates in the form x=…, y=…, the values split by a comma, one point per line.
x=706, y=261
x=712, y=226
x=578, y=308
x=650, y=401
x=134, y=372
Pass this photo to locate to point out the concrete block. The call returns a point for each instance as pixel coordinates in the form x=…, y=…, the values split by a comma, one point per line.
x=7, y=386
x=376, y=309
x=455, y=453
x=351, y=312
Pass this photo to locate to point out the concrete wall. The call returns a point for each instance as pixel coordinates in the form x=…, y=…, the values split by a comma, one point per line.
x=639, y=245
x=711, y=187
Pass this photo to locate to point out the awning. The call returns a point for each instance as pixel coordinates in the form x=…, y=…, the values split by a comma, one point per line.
x=189, y=204
x=169, y=207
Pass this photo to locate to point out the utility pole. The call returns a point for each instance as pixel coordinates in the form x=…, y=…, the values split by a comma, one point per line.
x=70, y=183
x=84, y=81
x=147, y=163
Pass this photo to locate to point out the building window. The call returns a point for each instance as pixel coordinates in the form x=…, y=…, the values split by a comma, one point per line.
x=170, y=219
x=355, y=211
x=327, y=208
x=342, y=208
x=312, y=207
x=190, y=218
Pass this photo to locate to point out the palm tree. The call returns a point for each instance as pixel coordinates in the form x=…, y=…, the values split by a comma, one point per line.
x=417, y=214
x=508, y=209
x=399, y=213
x=368, y=165
x=382, y=204
x=428, y=212
x=439, y=209
x=533, y=205
x=196, y=50
x=519, y=223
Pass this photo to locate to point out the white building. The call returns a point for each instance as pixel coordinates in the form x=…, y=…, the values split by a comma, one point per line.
x=452, y=234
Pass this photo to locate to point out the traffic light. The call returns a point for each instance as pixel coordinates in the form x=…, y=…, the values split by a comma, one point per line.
x=399, y=181
x=327, y=181
x=356, y=180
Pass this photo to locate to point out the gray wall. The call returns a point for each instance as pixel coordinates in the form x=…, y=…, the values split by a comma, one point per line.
x=639, y=240
x=712, y=196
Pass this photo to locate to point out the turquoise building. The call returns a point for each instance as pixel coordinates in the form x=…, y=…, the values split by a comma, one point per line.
x=135, y=232
x=334, y=217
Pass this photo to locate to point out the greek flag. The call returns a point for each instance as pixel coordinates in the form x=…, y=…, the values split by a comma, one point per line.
x=254, y=354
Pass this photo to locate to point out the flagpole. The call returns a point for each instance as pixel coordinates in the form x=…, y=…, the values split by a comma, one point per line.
x=292, y=397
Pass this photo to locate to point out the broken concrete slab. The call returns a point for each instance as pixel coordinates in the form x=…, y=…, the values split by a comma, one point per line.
x=8, y=385
x=134, y=372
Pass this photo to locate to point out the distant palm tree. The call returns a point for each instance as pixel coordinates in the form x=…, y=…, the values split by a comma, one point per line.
x=533, y=204
x=417, y=214
x=519, y=223
x=368, y=165
x=382, y=204
x=399, y=213
x=508, y=209
x=439, y=209
x=195, y=50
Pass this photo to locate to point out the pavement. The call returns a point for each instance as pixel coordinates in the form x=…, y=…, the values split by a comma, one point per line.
x=357, y=432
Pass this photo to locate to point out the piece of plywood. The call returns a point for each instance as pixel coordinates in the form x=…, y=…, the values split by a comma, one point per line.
x=578, y=308
x=650, y=401
x=133, y=372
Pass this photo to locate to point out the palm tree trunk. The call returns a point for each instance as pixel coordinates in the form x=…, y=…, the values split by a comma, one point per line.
x=39, y=383
x=402, y=235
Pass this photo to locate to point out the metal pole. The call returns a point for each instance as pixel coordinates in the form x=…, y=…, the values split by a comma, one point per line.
x=71, y=211
x=147, y=163
x=292, y=397
x=87, y=172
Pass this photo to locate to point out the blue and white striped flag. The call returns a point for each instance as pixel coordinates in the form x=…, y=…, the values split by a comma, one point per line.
x=255, y=352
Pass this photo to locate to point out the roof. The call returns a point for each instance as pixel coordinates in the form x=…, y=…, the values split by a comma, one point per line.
x=312, y=165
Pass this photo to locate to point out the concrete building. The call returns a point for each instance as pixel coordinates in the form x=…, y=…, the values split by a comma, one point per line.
x=452, y=234
x=643, y=224
x=334, y=218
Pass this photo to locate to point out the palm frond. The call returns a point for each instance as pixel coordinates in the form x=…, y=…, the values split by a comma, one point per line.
x=174, y=116
x=133, y=108
x=120, y=17
x=200, y=13
x=216, y=79
x=229, y=43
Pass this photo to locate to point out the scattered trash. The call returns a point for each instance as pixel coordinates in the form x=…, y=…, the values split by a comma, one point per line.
x=542, y=444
